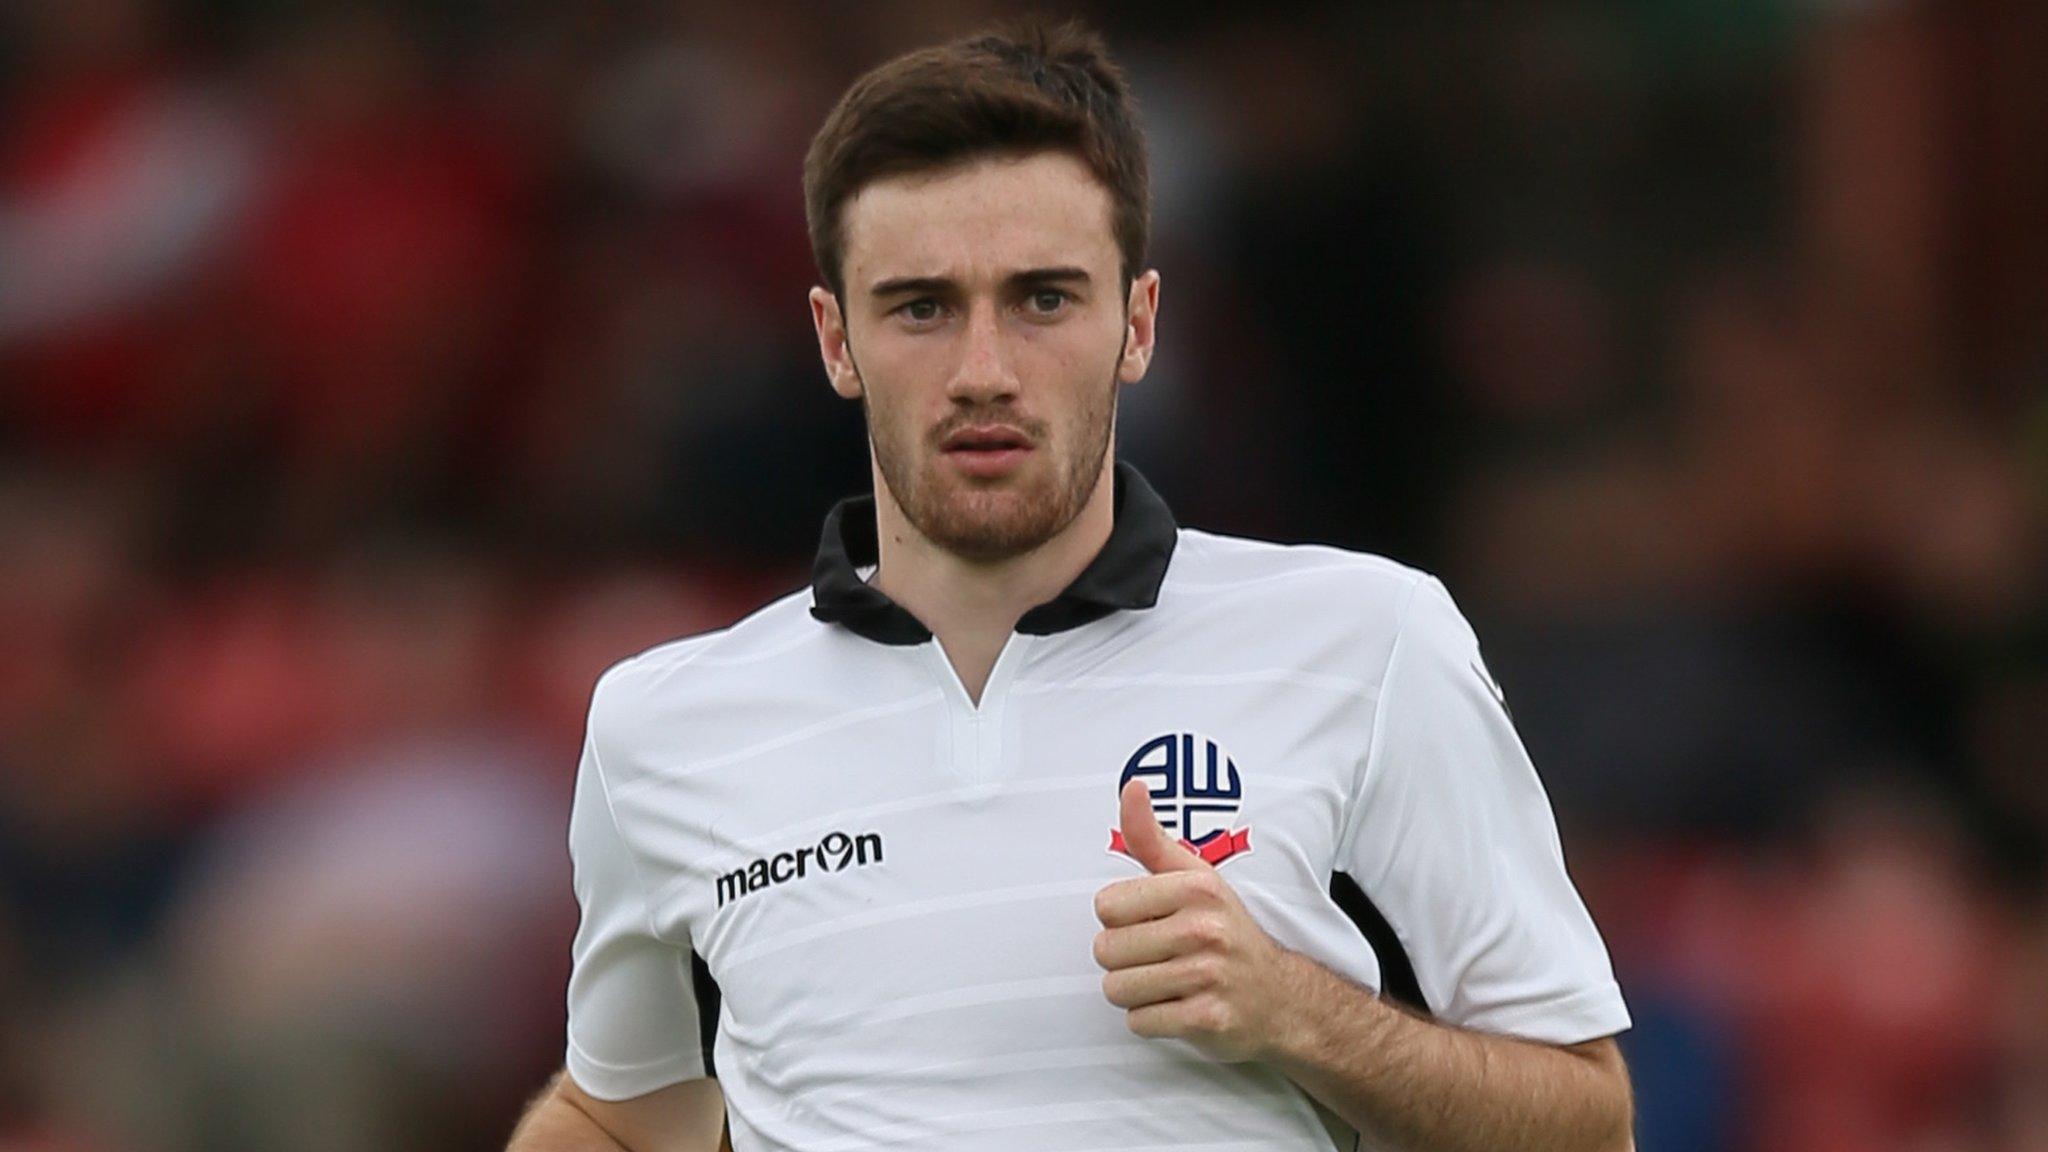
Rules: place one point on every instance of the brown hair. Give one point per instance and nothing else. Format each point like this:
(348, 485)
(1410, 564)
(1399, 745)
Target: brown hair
(1033, 88)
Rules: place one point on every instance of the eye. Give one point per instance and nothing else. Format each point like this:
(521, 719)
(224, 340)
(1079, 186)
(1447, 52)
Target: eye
(922, 310)
(1049, 301)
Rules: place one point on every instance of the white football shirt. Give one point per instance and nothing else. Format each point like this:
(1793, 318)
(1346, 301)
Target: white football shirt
(893, 887)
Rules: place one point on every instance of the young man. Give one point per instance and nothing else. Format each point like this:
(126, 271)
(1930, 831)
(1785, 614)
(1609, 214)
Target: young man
(911, 820)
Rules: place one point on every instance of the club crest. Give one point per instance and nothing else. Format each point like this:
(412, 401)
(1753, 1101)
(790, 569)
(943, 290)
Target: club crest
(1196, 793)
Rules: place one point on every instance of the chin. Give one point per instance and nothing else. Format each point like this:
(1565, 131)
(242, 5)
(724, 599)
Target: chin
(994, 520)
(973, 529)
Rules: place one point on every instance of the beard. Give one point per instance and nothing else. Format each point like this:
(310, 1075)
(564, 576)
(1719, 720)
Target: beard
(987, 521)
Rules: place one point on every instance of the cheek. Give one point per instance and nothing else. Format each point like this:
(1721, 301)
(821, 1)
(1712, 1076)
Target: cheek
(895, 415)
(901, 368)
(888, 380)
(1078, 357)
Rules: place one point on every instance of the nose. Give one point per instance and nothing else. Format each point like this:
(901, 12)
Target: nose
(983, 375)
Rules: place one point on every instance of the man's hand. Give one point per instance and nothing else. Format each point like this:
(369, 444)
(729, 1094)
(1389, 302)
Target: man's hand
(1182, 954)
(1185, 959)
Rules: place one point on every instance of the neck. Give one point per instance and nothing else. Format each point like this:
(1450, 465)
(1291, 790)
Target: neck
(972, 606)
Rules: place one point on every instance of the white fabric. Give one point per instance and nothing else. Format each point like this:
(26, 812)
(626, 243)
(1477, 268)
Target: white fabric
(931, 984)
(629, 990)
(1451, 835)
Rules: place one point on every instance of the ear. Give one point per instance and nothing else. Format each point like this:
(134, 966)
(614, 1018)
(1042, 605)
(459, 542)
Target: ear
(831, 325)
(1141, 312)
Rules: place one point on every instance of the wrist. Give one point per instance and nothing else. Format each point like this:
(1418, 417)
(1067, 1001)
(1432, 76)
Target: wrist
(1320, 1008)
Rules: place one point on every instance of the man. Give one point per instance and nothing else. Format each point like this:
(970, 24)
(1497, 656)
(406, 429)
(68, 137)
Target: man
(910, 821)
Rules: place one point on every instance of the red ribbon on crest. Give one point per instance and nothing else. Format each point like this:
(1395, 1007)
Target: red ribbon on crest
(1214, 852)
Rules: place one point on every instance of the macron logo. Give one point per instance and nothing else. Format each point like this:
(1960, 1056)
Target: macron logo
(837, 852)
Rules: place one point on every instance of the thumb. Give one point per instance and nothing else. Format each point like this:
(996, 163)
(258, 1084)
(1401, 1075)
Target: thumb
(1146, 841)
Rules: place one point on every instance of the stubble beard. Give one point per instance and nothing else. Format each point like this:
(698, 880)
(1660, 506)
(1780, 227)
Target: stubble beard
(995, 521)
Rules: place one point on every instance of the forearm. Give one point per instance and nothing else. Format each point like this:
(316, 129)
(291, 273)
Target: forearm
(1418, 1085)
(687, 1116)
(553, 1124)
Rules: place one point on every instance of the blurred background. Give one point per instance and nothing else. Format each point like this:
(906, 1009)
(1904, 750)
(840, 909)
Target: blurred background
(374, 374)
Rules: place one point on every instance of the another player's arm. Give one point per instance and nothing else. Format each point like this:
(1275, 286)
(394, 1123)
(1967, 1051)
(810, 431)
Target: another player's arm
(684, 1117)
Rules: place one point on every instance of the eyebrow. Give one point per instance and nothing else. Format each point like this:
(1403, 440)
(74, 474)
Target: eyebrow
(1028, 278)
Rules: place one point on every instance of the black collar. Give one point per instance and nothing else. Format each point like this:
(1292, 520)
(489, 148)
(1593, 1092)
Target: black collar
(1125, 574)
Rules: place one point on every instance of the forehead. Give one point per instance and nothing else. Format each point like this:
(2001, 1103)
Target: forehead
(980, 221)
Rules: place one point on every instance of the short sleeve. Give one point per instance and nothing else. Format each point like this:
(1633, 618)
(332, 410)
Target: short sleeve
(1451, 836)
(633, 1017)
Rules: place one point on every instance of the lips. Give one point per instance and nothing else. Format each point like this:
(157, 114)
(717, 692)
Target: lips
(985, 438)
(986, 453)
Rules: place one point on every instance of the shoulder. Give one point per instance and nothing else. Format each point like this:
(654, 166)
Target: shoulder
(1208, 565)
(680, 671)
(1308, 606)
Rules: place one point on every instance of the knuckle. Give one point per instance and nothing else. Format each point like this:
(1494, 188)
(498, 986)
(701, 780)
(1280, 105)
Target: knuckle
(1101, 948)
(1214, 1016)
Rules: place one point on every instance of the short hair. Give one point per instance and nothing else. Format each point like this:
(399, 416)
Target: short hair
(1019, 90)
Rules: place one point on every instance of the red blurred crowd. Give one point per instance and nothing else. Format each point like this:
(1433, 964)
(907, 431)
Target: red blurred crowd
(373, 375)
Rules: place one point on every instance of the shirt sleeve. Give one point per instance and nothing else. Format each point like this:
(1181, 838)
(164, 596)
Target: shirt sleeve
(1451, 835)
(633, 1017)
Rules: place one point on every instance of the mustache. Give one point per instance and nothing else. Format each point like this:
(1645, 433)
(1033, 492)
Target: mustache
(1034, 430)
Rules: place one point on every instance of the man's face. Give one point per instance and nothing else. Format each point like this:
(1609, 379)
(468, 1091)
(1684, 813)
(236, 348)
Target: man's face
(986, 330)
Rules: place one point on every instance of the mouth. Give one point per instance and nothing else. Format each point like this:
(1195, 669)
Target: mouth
(985, 438)
(986, 450)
